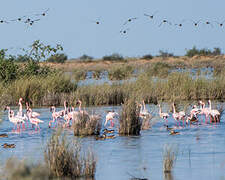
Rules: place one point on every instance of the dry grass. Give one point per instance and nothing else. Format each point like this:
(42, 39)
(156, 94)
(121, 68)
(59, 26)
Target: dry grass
(65, 159)
(22, 170)
(86, 125)
(130, 123)
(170, 153)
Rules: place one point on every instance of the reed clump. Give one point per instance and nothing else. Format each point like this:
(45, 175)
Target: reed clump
(79, 74)
(15, 169)
(62, 160)
(130, 123)
(39, 90)
(86, 125)
(120, 72)
(65, 159)
(170, 153)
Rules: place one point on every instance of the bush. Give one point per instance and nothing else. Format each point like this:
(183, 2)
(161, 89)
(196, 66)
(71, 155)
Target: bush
(147, 56)
(120, 72)
(86, 58)
(165, 54)
(203, 52)
(8, 70)
(57, 58)
(113, 57)
(159, 69)
(79, 74)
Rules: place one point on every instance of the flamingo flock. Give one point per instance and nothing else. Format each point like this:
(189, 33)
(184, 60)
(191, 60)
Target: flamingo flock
(68, 116)
(193, 116)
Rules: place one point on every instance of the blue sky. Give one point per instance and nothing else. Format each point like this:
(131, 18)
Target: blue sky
(70, 23)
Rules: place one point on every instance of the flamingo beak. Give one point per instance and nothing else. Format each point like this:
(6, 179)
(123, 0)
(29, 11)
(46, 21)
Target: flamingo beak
(5, 108)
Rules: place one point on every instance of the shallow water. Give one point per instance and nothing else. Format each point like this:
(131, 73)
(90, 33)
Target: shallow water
(201, 149)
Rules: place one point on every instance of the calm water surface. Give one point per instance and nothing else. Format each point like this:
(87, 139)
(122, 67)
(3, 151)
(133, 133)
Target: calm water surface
(201, 149)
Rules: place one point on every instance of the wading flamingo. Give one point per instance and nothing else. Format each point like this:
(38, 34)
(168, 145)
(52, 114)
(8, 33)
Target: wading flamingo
(143, 111)
(33, 119)
(204, 110)
(214, 113)
(110, 116)
(163, 115)
(13, 119)
(175, 114)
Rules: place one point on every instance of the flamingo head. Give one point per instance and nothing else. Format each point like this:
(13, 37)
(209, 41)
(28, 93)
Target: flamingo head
(194, 106)
(52, 108)
(21, 99)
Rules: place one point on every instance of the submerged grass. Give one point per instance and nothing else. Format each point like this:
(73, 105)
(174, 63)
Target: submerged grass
(130, 123)
(170, 153)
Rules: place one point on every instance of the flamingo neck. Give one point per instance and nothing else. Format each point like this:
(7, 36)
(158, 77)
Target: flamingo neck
(160, 110)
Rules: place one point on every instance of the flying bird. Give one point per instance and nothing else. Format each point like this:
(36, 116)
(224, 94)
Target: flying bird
(164, 22)
(220, 23)
(129, 20)
(124, 31)
(43, 13)
(196, 23)
(152, 15)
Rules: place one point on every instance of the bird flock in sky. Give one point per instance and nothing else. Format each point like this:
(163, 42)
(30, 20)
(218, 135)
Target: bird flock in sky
(165, 21)
(33, 18)
(26, 19)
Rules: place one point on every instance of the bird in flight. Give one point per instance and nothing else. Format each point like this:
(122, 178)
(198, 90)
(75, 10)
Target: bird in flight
(220, 23)
(18, 19)
(124, 31)
(196, 23)
(164, 22)
(3, 21)
(43, 13)
(152, 15)
(129, 20)
(209, 23)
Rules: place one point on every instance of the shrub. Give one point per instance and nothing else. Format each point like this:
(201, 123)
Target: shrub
(165, 54)
(147, 56)
(159, 69)
(8, 70)
(113, 57)
(57, 58)
(120, 72)
(203, 52)
(130, 123)
(79, 74)
(86, 58)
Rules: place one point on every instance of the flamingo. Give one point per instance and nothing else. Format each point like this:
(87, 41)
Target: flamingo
(20, 114)
(214, 113)
(55, 115)
(110, 116)
(33, 119)
(163, 115)
(204, 110)
(143, 111)
(175, 114)
(13, 119)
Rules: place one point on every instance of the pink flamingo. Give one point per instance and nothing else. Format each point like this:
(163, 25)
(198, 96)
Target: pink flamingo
(20, 113)
(214, 113)
(33, 119)
(143, 111)
(110, 116)
(204, 110)
(13, 119)
(175, 114)
(163, 115)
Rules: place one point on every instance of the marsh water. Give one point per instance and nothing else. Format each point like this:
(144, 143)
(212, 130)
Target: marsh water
(201, 148)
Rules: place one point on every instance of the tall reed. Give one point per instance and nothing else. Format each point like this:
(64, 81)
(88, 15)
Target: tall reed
(66, 159)
(130, 123)
(86, 125)
(170, 153)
